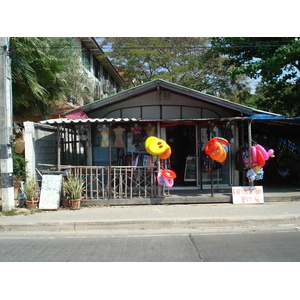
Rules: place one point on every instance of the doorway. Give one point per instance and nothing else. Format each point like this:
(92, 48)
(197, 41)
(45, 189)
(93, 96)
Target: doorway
(209, 169)
(182, 140)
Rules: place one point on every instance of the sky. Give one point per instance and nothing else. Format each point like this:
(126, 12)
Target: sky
(155, 18)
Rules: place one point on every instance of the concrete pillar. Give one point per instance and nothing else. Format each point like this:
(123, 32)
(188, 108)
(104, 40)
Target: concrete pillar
(29, 138)
(6, 138)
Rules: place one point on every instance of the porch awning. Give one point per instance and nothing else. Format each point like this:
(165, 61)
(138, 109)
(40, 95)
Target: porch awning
(89, 120)
(279, 119)
(115, 120)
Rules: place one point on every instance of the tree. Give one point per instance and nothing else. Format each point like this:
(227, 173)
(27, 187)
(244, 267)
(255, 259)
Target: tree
(44, 70)
(182, 60)
(276, 61)
(281, 97)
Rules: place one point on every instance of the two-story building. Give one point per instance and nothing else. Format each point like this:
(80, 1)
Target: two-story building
(103, 78)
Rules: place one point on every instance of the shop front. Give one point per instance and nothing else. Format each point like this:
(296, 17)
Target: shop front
(186, 139)
(110, 141)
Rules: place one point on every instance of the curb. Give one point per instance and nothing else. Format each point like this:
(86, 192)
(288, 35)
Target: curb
(157, 225)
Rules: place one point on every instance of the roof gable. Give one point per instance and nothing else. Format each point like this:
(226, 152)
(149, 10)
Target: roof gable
(163, 84)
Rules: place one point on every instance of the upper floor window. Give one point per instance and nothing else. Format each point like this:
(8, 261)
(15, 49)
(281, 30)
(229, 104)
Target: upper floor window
(85, 56)
(105, 74)
(96, 68)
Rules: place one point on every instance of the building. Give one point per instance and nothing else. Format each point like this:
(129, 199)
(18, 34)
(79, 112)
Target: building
(103, 141)
(103, 78)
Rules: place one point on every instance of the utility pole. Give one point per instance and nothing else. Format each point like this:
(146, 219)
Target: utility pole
(6, 162)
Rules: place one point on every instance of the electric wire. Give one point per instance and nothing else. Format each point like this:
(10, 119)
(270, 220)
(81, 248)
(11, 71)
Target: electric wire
(256, 44)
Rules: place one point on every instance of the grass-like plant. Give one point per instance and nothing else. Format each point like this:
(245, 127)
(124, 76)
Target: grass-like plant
(73, 186)
(30, 188)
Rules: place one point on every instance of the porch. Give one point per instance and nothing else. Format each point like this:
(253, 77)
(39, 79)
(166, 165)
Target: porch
(133, 185)
(114, 185)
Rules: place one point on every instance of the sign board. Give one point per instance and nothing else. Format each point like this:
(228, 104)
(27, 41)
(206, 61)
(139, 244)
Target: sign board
(247, 194)
(50, 191)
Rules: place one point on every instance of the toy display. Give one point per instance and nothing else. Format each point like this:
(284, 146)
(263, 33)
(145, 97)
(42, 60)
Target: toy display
(259, 156)
(217, 149)
(165, 181)
(166, 154)
(156, 146)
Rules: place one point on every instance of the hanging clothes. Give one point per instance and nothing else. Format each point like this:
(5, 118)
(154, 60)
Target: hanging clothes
(144, 159)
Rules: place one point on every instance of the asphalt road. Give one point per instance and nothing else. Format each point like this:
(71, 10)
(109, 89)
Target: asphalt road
(235, 246)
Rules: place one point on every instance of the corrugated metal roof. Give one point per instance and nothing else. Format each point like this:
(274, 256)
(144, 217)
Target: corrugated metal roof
(115, 120)
(79, 121)
(77, 114)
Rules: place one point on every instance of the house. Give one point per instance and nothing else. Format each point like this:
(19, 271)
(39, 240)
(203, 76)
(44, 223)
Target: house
(104, 78)
(104, 142)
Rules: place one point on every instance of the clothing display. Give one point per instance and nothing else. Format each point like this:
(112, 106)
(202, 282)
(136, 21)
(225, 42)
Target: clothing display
(104, 134)
(144, 159)
(119, 137)
(150, 130)
(137, 138)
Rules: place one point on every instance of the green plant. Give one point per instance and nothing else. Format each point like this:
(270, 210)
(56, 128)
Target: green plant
(30, 188)
(73, 186)
(19, 164)
(13, 212)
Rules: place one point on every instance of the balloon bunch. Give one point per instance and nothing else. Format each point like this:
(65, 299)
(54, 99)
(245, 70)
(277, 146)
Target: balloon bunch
(166, 177)
(259, 156)
(217, 149)
(156, 146)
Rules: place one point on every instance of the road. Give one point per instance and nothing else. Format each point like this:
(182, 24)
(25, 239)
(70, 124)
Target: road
(234, 246)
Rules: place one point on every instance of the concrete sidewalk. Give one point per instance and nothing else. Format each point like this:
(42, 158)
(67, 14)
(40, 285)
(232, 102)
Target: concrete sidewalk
(159, 218)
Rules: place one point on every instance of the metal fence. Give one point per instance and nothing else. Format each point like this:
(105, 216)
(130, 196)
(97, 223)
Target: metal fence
(115, 182)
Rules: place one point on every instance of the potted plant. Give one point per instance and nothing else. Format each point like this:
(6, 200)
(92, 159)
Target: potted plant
(73, 187)
(30, 191)
(19, 170)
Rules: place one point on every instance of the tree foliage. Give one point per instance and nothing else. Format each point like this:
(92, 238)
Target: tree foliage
(274, 60)
(183, 60)
(44, 70)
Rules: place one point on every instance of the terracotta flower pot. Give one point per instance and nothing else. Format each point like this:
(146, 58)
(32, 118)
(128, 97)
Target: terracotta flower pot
(65, 202)
(75, 204)
(31, 204)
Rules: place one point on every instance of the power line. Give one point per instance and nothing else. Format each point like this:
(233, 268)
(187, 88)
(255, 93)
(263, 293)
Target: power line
(160, 47)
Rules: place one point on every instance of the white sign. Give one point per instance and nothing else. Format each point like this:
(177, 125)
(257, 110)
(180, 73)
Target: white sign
(50, 192)
(247, 194)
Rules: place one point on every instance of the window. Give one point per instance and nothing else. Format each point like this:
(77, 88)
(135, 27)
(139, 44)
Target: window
(105, 74)
(96, 68)
(85, 56)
